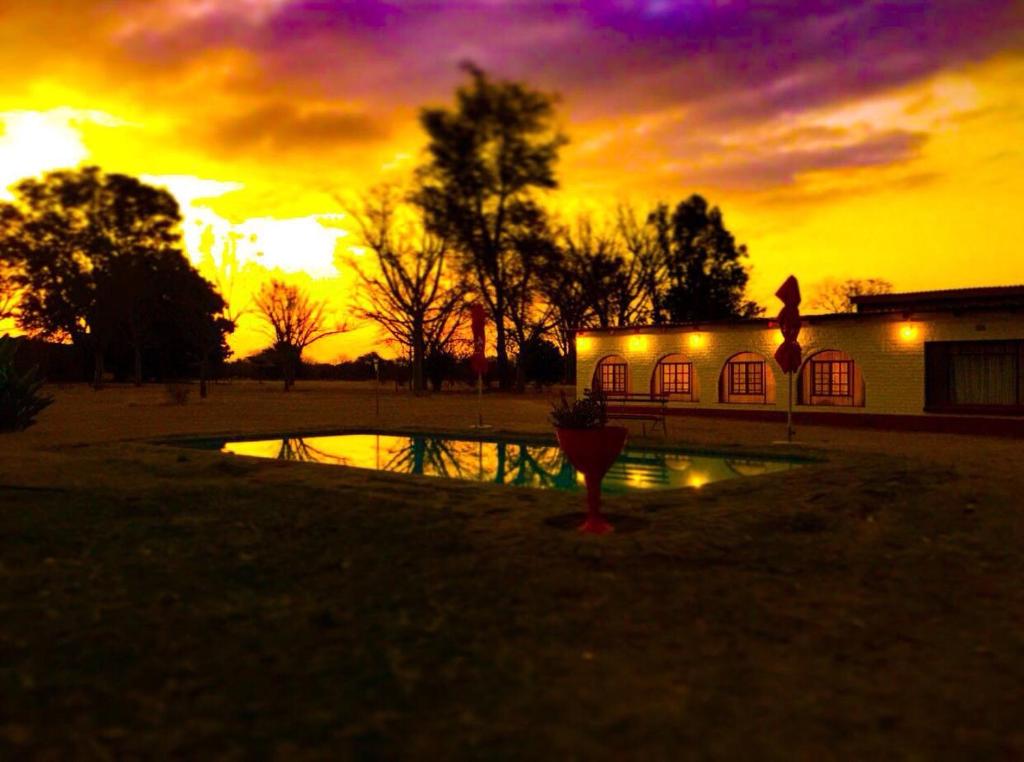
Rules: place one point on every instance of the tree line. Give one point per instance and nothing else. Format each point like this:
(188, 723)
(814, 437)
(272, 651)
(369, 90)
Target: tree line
(96, 260)
(474, 226)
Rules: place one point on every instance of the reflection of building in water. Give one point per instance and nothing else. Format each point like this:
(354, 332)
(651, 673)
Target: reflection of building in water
(747, 467)
(514, 463)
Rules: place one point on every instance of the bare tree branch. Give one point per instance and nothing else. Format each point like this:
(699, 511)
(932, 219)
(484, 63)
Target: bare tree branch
(408, 287)
(294, 321)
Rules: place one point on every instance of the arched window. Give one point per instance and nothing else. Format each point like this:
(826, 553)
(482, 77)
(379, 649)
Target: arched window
(747, 378)
(831, 378)
(674, 379)
(612, 376)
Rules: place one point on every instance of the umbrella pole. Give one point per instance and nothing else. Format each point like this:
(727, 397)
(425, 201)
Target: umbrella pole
(789, 409)
(479, 400)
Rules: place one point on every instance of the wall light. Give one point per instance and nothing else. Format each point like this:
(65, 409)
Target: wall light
(584, 343)
(637, 343)
(908, 332)
(696, 340)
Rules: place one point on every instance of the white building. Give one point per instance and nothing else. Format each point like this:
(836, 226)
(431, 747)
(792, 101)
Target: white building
(937, 360)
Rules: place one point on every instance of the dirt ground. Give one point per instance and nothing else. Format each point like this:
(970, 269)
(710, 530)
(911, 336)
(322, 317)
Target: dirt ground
(158, 602)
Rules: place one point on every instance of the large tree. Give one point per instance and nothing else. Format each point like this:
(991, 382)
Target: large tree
(295, 321)
(564, 289)
(88, 248)
(409, 288)
(487, 159)
(8, 292)
(530, 317)
(703, 264)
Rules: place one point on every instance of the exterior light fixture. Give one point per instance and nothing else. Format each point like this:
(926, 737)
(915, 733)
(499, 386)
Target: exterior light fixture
(584, 343)
(908, 332)
(696, 340)
(637, 343)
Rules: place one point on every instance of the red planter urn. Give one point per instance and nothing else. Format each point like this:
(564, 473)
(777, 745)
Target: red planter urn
(592, 452)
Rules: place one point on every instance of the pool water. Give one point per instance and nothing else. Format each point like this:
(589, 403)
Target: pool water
(510, 462)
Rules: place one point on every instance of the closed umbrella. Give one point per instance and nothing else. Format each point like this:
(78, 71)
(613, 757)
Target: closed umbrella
(789, 355)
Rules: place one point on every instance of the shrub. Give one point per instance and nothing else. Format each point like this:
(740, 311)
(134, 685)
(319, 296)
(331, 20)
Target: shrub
(591, 412)
(20, 400)
(177, 393)
(542, 363)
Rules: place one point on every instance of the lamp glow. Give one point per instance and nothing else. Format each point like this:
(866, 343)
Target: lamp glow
(908, 332)
(696, 340)
(637, 343)
(584, 343)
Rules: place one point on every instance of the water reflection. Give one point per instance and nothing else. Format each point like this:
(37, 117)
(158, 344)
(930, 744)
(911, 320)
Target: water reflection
(505, 462)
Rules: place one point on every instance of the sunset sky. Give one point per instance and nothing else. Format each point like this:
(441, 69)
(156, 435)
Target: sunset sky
(841, 139)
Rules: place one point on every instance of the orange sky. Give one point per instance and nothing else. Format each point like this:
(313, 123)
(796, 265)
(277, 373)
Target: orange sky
(257, 114)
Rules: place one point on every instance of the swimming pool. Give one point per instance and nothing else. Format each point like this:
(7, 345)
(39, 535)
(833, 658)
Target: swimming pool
(520, 463)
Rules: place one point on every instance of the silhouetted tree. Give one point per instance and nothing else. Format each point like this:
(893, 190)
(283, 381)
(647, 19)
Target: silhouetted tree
(541, 362)
(8, 287)
(529, 316)
(564, 288)
(295, 322)
(409, 289)
(194, 308)
(837, 296)
(638, 287)
(706, 278)
(487, 158)
(91, 250)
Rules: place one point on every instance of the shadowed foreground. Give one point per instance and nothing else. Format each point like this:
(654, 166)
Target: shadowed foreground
(157, 601)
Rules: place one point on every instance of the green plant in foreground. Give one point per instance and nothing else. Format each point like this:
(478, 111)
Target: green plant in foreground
(591, 412)
(20, 400)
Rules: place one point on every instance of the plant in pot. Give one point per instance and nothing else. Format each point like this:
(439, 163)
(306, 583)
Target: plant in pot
(592, 446)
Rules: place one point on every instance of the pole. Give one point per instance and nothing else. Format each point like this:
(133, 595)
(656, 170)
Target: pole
(479, 400)
(376, 387)
(789, 411)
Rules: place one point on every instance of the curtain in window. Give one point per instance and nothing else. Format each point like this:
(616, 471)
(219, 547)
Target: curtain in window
(983, 379)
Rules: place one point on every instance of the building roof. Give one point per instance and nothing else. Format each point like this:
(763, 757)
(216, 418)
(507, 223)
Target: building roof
(878, 306)
(950, 300)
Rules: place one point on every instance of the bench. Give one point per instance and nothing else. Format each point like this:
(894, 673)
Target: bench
(655, 414)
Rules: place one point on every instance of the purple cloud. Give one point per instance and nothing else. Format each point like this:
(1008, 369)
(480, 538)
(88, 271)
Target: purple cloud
(726, 64)
(778, 168)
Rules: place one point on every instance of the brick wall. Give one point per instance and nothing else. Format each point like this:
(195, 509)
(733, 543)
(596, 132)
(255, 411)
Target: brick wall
(888, 351)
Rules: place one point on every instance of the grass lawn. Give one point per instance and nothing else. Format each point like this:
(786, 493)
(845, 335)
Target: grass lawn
(161, 602)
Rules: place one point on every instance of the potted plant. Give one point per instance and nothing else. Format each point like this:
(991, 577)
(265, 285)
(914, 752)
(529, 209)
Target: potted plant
(592, 446)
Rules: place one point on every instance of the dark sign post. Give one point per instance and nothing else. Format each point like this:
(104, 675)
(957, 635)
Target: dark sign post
(478, 319)
(788, 355)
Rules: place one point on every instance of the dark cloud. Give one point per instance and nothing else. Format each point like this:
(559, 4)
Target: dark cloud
(730, 61)
(769, 168)
(728, 65)
(282, 127)
(733, 60)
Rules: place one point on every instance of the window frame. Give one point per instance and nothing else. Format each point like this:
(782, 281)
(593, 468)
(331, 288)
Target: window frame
(748, 390)
(938, 371)
(619, 371)
(828, 388)
(683, 375)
